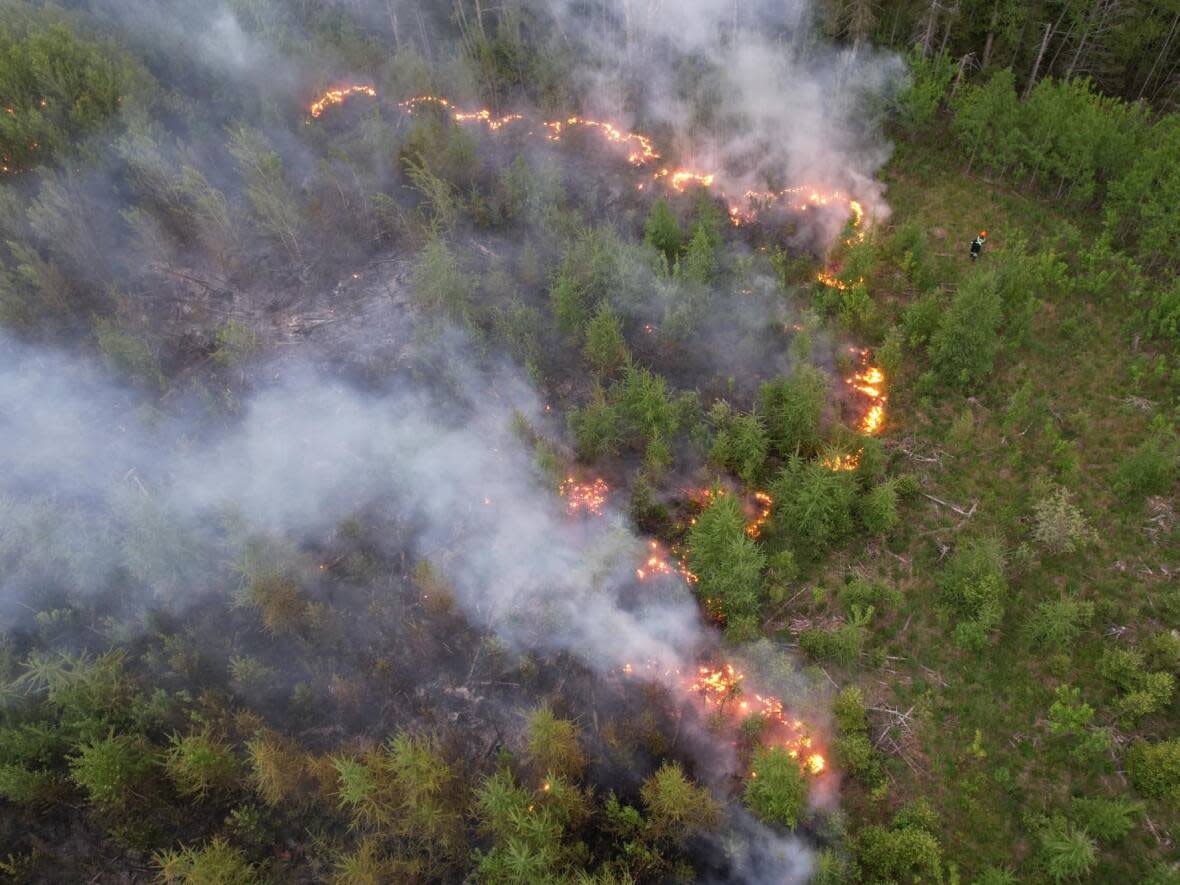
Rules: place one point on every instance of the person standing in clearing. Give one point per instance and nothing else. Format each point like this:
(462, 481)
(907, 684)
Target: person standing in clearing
(977, 244)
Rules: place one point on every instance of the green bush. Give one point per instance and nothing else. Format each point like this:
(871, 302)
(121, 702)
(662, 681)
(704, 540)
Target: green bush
(1148, 469)
(1066, 852)
(968, 339)
(605, 349)
(878, 509)
(904, 855)
(793, 408)
(814, 504)
(776, 790)
(113, 770)
(1056, 624)
(973, 591)
(217, 863)
(199, 765)
(1107, 820)
(1154, 769)
(662, 230)
(726, 561)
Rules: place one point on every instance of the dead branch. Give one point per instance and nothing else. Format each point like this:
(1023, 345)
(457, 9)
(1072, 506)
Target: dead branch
(967, 514)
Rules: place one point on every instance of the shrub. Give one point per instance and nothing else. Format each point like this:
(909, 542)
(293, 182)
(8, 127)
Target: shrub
(677, 806)
(1066, 851)
(973, 590)
(793, 408)
(110, 770)
(1107, 820)
(553, 744)
(968, 340)
(217, 863)
(878, 509)
(1154, 769)
(234, 343)
(1056, 624)
(905, 855)
(814, 504)
(740, 444)
(776, 790)
(1149, 469)
(849, 711)
(726, 560)
(606, 349)
(26, 786)
(1060, 526)
(662, 230)
(199, 764)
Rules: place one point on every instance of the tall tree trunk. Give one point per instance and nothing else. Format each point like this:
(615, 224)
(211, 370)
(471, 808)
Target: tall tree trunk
(397, 37)
(959, 74)
(1076, 56)
(991, 36)
(479, 21)
(1162, 53)
(931, 23)
(1037, 65)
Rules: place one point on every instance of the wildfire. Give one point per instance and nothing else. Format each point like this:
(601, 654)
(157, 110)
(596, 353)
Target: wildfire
(721, 688)
(658, 563)
(589, 497)
(765, 504)
(338, 96)
(869, 381)
(641, 152)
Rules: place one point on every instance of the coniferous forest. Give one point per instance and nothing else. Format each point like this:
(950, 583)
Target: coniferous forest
(589, 441)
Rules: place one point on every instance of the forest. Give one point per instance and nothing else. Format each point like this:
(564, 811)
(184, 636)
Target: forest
(589, 442)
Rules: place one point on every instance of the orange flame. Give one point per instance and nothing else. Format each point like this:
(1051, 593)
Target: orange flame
(585, 496)
(338, 96)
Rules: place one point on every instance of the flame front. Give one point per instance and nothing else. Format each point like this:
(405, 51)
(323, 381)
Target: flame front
(338, 96)
(641, 151)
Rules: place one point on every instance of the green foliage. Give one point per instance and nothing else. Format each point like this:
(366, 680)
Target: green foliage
(234, 343)
(1056, 624)
(1154, 769)
(1059, 525)
(776, 790)
(965, 346)
(849, 711)
(699, 263)
(973, 591)
(589, 273)
(726, 561)
(1143, 204)
(929, 78)
(113, 770)
(554, 744)
(1148, 469)
(275, 204)
(199, 765)
(217, 863)
(813, 504)
(897, 855)
(605, 349)
(676, 806)
(1066, 852)
(278, 599)
(662, 230)
(793, 407)
(25, 786)
(441, 286)
(878, 509)
(128, 353)
(57, 88)
(740, 443)
(597, 427)
(1107, 820)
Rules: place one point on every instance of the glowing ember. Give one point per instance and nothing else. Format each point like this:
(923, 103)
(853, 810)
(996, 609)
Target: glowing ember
(840, 463)
(658, 563)
(722, 689)
(765, 503)
(338, 96)
(588, 497)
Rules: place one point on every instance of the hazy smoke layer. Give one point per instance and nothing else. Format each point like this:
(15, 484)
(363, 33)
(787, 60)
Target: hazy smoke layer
(747, 88)
(307, 453)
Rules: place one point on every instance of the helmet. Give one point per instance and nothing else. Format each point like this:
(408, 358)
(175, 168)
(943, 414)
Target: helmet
(983, 233)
